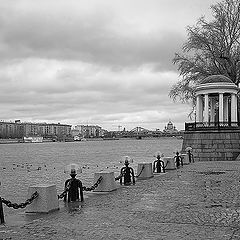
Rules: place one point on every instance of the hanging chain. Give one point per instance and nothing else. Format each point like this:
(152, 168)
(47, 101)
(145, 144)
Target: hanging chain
(166, 164)
(95, 185)
(63, 194)
(21, 205)
(119, 177)
(140, 172)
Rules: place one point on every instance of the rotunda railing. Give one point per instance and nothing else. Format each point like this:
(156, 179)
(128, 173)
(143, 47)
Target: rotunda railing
(206, 126)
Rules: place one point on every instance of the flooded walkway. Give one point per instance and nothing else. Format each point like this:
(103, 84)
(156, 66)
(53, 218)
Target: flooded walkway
(198, 201)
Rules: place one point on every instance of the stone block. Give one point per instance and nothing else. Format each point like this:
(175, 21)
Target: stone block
(144, 170)
(235, 145)
(227, 141)
(169, 163)
(107, 183)
(234, 137)
(46, 201)
(229, 155)
(208, 142)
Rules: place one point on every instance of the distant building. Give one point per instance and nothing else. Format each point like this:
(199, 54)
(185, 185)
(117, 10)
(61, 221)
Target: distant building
(170, 129)
(75, 133)
(20, 129)
(87, 131)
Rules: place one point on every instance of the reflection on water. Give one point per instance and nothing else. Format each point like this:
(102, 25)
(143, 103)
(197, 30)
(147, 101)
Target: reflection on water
(27, 164)
(73, 207)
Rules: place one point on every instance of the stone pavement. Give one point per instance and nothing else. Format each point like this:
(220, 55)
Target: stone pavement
(198, 201)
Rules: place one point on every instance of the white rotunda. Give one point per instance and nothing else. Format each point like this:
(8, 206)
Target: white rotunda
(216, 101)
(215, 133)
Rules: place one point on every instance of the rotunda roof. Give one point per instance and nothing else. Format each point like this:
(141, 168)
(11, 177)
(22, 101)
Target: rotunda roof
(216, 79)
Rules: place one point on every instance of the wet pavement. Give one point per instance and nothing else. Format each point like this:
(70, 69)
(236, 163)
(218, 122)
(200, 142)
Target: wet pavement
(198, 201)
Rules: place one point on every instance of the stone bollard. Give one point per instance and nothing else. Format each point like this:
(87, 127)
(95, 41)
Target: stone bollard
(144, 171)
(107, 183)
(169, 163)
(185, 158)
(46, 201)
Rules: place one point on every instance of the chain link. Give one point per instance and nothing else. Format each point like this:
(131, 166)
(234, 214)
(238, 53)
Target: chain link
(63, 194)
(140, 171)
(166, 164)
(21, 205)
(119, 177)
(95, 185)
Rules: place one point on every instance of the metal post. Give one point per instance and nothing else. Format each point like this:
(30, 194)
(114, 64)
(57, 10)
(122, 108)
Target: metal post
(1, 212)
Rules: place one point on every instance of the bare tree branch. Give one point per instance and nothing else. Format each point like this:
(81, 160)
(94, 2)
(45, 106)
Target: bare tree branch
(212, 47)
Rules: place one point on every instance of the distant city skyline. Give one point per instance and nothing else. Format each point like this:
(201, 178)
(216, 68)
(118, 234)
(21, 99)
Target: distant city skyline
(100, 62)
(115, 128)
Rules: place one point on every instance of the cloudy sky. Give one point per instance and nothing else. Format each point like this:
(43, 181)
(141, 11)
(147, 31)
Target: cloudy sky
(100, 62)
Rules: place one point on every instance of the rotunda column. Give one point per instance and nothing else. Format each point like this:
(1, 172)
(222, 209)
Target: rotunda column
(212, 109)
(206, 108)
(233, 107)
(199, 109)
(220, 107)
(225, 109)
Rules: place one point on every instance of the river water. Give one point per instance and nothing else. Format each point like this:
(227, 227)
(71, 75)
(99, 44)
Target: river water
(26, 164)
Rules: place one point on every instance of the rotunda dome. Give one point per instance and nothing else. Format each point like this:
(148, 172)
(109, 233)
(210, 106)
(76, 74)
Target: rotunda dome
(216, 79)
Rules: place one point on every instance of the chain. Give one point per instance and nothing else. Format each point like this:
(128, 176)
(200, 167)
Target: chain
(140, 171)
(63, 194)
(119, 177)
(21, 205)
(166, 164)
(95, 185)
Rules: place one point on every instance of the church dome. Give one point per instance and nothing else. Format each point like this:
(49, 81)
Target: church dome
(170, 128)
(216, 79)
(170, 125)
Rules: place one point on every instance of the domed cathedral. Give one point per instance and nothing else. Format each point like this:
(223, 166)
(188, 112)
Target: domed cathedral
(170, 128)
(215, 134)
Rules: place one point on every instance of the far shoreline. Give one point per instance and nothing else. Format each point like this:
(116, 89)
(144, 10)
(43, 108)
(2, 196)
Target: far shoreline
(15, 141)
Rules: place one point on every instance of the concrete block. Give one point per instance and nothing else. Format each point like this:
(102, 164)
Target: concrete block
(46, 201)
(107, 184)
(146, 172)
(169, 163)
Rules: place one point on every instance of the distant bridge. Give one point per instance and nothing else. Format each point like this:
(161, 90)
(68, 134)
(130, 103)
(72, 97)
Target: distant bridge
(139, 130)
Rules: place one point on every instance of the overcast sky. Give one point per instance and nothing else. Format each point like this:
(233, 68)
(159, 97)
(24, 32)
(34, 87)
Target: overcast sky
(100, 62)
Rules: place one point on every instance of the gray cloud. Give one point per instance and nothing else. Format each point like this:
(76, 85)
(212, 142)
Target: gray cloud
(71, 91)
(82, 36)
(94, 61)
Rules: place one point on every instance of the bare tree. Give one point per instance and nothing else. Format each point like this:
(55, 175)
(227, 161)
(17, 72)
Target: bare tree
(212, 47)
